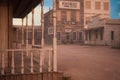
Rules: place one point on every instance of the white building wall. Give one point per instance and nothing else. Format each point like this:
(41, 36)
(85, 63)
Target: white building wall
(107, 35)
(92, 12)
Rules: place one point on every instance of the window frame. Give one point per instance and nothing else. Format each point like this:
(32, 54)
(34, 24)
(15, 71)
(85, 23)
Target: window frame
(97, 5)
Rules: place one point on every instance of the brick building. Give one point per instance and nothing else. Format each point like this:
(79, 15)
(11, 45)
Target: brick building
(72, 18)
(103, 32)
(69, 22)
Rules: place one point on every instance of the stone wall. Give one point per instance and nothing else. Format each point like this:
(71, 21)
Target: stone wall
(107, 35)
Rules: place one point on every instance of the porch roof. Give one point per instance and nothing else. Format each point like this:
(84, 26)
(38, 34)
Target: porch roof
(22, 7)
(95, 28)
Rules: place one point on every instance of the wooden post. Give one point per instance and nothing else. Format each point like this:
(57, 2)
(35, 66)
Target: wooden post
(42, 40)
(33, 27)
(42, 23)
(54, 38)
(27, 35)
(22, 63)
(3, 64)
(17, 38)
(13, 64)
(49, 62)
(22, 33)
(40, 62)
(31, 62)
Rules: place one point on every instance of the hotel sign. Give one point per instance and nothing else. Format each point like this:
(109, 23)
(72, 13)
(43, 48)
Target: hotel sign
(69, 4)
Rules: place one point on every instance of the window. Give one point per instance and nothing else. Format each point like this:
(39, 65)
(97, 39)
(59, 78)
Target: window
(101, 35)
(96, 34)
(58, 15)
(86, 33)
(80, 35)
(112, 35)
(50, 30)
(73, 17)
(89, 35)
(68, 16)
(58, 35)
(97, 5)
(88, 4)
(64, 16)
(106, 6)
(74, 36)
(87, 20)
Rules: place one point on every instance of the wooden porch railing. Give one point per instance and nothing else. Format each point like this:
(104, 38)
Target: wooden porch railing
(38, 59)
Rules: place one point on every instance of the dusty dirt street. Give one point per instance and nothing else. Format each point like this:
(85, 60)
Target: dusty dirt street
(89, 62)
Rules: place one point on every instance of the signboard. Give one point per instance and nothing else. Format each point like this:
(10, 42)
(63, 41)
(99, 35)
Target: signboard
(69, 4)
(68, 30)
(50, 30)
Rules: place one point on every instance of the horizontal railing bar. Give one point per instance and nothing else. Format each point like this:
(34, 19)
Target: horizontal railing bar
(27, 49)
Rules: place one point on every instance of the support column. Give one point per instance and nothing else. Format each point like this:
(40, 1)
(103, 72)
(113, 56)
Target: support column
(33, 27)
(3, 64)
(22, 62)
(10, 31)
(17, 38)
(54, 38)
(49, 61)
(42, 23)
(4, 30)
(22, 32)
(10, 24)
(6, 15)
(27, 35)
(42, 40)
(41, 61)
(13, 64)
(31, 62)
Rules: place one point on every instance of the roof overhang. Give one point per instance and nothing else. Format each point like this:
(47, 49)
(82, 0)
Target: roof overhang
(96, 28)
(22, 7)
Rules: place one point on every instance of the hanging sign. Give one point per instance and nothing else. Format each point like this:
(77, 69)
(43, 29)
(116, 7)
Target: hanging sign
(68, 30)
(50, 30)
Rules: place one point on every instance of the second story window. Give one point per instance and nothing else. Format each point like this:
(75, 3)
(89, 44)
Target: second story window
(73, 17)
(87, 20)
(88, 4)
(64, 16)
(97, 5)
(106, 6)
